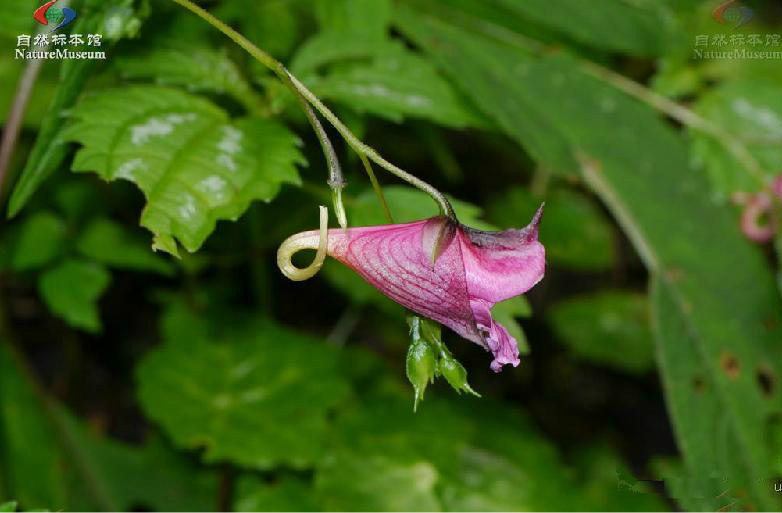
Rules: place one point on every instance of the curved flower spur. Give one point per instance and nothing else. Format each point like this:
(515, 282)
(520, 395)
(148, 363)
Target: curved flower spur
(438, 268)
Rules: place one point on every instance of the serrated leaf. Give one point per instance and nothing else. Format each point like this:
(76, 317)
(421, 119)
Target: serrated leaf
(71, 291)
(246, 391)
(574, 232)
(39, 240)
(194, 166)
(749, 110)
(193, 68)
(608, 328)
(109, 243)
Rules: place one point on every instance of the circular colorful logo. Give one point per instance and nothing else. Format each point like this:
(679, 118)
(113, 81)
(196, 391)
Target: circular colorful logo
(733, 13)
(49, 14)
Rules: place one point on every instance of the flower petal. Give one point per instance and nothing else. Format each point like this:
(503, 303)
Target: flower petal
(501, 343)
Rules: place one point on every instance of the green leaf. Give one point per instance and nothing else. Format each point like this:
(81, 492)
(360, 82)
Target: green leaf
(367, 19)
(247, 391)
(109, 243)
(194, 68)
(608, 328)
(39, 240)
(51, 460)
(18, 18)
(748, 110)
(608, 484)
(477, 67)
(50, 149)
(376, 482)
(574, 231)
(8, 507)
(32, 466)
(287, 493)
(71, 291)
(396, 84)
(152, 476)
(635, 28)
(693, 245)
(194, 166)
(273, 25)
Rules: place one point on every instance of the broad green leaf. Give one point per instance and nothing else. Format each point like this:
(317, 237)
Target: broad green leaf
(273, 25)
(636, 163)
(51, 460)
(32, 466)
(18, 18)
(287, 493)
(376, 482)
(747, 110)
(607, 483)
(476, 66)
(71, 291)
(152, 477)
(194, 166)
(396, 83)
(50, 150)
(574, 231)
(249, 392)
(329, 47)
(8, 507)
(193, 68)
(715, 470)
(39, 240)
(367, 19)
(607, 328)
(645, 27)
(109, 243)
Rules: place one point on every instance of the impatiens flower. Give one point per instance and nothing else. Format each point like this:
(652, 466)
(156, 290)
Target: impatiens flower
(757, 208)
(442, 270)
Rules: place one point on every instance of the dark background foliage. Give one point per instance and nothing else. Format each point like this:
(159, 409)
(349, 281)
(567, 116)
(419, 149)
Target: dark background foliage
(136, 380)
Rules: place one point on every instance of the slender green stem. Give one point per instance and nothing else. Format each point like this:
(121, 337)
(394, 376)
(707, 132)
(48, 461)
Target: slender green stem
(357, 145)
(376, 186)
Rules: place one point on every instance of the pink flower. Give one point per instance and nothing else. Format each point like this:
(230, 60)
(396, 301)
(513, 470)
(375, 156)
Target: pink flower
(445, 271)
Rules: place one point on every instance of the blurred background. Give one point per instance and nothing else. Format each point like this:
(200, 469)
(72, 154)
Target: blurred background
(196, 377)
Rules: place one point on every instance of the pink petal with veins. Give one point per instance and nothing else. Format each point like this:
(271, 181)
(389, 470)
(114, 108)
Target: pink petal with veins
(472, 270)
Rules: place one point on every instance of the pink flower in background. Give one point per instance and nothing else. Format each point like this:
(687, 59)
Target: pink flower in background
(445, 271)
(757, 218)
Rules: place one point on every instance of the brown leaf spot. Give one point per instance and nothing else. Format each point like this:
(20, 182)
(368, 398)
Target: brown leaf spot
(765, 377)
(730, 365)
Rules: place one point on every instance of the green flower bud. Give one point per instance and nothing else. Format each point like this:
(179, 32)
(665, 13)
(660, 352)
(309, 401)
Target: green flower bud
(420, 368)
(456, 375)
